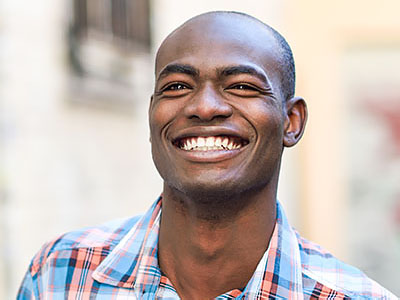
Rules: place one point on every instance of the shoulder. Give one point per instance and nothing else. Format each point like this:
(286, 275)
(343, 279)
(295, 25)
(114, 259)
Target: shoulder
(322, 271)
(99, 240)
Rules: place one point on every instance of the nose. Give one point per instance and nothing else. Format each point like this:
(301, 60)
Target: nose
(206, 105)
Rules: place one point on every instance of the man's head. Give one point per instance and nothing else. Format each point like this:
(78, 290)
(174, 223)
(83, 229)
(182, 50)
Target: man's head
(223, 105)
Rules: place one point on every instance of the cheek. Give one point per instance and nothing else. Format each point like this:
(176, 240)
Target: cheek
(161, 114)
(267, 120)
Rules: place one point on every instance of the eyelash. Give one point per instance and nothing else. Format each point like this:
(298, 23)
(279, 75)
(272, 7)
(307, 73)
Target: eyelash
(244, 87)
(174, 87)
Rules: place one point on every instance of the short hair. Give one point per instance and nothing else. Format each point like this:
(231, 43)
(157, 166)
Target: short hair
(287, 66)
(286, 60)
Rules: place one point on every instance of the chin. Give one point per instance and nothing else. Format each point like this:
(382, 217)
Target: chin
(208, 189)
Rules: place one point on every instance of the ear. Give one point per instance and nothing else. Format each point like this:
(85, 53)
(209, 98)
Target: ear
(296, 118)
(151, 100)
(150, 105)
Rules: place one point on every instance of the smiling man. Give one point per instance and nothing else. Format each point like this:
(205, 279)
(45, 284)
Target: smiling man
(222, 111)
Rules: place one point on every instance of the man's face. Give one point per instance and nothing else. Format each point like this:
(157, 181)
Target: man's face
(216, 116)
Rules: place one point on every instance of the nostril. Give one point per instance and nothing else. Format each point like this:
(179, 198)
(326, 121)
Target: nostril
(208, 109)
(208, 116)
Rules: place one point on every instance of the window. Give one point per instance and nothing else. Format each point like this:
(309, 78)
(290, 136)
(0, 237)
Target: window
(105, 39)
(125, 23)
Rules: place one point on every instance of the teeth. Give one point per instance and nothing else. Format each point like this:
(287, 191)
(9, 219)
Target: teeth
(201, 142)
(188, 144)
(225, 142)
(218, 142)
(209, 143)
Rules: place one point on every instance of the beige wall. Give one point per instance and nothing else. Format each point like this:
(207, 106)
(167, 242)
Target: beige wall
(320, 33)
(65, 164)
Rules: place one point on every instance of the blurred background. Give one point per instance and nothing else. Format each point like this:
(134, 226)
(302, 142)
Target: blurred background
(75, 81)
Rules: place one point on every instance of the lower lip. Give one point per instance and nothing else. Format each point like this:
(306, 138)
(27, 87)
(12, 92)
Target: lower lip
(211, 156)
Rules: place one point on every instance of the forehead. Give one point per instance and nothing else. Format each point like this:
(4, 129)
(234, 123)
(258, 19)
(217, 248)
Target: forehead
(215, 41)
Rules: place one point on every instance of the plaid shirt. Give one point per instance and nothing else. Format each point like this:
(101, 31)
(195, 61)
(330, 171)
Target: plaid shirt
(119, 261)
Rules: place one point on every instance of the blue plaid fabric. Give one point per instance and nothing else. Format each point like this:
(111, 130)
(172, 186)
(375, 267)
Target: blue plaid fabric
(119, 261)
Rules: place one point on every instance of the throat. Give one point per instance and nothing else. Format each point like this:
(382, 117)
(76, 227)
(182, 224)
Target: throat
(207, 208)
(198, 269)
(197, 253)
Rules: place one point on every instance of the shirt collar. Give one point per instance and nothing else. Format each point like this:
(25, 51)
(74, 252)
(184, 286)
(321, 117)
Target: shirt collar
(133, 263)
(279, 273)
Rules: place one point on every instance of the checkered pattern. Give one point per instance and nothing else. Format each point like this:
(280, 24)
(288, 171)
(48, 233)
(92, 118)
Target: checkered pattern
(119, 261)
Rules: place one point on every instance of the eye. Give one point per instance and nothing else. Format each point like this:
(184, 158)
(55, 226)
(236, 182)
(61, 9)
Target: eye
(243, 87)
(244, 90)
(175, 89)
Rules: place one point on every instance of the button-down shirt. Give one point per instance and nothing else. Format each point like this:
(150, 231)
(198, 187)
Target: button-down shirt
(119, 261)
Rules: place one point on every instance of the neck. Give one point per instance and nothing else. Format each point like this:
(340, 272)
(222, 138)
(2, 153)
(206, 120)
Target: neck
(203, 240)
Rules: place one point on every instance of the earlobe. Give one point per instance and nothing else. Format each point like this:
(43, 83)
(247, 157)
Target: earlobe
(296, 118)
(150, 104)
(149, 112)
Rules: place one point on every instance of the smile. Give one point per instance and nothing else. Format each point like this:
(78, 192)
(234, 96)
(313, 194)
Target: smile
(210, 143)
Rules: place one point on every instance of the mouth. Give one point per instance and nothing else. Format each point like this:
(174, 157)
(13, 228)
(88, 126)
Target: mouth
(210, 143)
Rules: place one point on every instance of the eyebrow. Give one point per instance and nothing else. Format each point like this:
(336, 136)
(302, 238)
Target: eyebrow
(178, 68)
(244, 69)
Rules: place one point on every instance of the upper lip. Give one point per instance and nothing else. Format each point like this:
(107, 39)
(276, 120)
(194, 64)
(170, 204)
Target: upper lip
(208, 131)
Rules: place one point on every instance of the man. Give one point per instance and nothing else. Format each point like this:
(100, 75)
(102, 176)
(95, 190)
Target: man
(222, 111)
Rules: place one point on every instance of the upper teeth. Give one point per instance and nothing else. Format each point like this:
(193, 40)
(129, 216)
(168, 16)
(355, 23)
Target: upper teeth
(209, 143)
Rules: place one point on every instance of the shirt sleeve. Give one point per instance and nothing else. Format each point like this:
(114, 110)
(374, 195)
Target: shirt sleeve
(25, 291)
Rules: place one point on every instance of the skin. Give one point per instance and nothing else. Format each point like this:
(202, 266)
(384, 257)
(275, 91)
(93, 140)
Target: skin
(219, 74)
